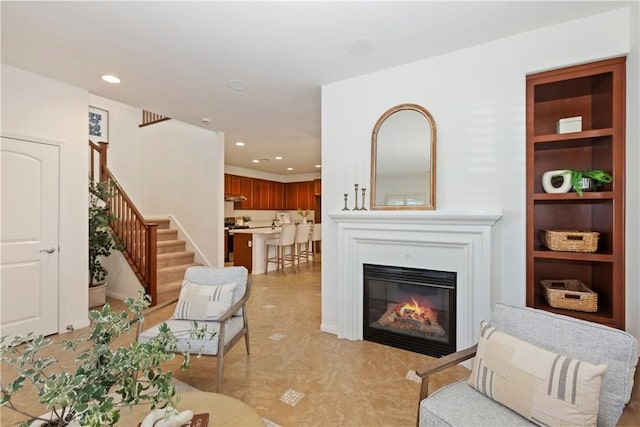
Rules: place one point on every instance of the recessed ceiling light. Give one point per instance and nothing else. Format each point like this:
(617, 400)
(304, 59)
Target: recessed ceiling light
(318, 166)
(289, 169)
(360, 46)
(278, 157)
(110, 78)
(238, 85)
(239, 144)
(255, 161)
(205, 120)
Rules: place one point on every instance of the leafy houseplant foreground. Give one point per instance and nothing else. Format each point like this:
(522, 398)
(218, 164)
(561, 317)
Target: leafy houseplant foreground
(106, 377)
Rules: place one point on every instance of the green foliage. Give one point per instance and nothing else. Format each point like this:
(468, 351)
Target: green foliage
(246, 218)
(598, 176)
(102, 367)
(101, 240)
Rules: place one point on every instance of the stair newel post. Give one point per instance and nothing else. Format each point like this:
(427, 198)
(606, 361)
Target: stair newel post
(152, 262)
(103, 160)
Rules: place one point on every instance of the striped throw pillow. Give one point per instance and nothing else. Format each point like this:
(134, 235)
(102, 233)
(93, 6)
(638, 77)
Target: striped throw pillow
(203, 302)
(547, 388)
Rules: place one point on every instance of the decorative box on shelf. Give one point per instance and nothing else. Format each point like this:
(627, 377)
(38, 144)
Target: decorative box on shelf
(570, 294)
(570, 240)
(570, 124)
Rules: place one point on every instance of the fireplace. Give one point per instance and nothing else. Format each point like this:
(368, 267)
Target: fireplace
(442, 240)
(410, 308)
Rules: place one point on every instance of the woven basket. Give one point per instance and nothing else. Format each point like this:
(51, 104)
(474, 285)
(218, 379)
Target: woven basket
(570, 294)
(570, 241)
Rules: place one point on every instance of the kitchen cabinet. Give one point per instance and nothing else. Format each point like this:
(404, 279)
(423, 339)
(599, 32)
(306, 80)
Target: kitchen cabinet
(317, 187)
(272, 195)
(276, 195)
(232, 184)
(596, 93)
(246, 189)
(242, 250)
(299, 195)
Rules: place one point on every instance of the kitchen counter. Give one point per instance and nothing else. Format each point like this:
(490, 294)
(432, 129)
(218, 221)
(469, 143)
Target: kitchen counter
(254, 259)
(257, 230)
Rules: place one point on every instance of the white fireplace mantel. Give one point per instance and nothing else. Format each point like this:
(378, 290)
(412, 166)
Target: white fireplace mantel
(449, 240)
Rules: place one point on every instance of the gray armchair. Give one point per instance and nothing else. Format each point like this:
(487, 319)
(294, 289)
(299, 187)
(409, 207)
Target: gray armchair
(460, 404)
(210, 308)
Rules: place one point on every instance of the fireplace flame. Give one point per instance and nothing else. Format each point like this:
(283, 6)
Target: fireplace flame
(417, 312)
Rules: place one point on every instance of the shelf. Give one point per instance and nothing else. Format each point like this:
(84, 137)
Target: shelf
(575, 137)
(573, 256)
(594, 92)
(601, 316)
(573, 197)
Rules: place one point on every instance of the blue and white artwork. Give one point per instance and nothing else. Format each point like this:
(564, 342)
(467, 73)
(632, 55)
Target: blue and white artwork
(95, 124)
(98, 125)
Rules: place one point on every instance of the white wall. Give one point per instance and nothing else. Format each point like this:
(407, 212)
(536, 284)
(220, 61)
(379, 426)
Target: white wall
(477, 97)
(38, 108)
(124, 154)
(633, 177)
(183, 176)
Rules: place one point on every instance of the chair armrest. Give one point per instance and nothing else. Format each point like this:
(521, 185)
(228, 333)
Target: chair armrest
(441, 364)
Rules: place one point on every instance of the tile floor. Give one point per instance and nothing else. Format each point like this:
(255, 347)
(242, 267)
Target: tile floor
(299, 376)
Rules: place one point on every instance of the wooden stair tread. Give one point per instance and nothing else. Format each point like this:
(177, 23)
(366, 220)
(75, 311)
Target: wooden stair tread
(175, 268)
(176, 254)
(171, 242)
(170, 286)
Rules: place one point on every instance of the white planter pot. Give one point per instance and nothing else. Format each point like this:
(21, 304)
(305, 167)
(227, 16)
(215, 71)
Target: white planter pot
(98, 295)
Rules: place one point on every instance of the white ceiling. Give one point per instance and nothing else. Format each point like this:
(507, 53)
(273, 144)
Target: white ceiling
(175, 58)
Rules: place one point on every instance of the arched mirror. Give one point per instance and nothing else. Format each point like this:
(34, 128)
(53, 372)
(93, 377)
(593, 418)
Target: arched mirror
(403, 160)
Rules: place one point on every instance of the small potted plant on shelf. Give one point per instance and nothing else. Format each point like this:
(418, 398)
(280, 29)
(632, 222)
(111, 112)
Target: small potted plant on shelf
(246, 219)
(588, 180)
(107, 375)
(101, 240)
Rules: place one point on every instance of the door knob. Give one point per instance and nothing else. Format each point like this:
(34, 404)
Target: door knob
(49, 250)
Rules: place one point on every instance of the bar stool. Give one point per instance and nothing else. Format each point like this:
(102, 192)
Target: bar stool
(281, 243)
(302, 243)
(316, 237)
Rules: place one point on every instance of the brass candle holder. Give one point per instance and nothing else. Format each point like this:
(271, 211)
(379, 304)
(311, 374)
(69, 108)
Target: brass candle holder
(364, 190)
(356, 208)
(346, 196)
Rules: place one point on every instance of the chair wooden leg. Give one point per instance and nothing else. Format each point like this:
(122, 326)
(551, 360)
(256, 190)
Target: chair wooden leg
(220, 357)
(246, 327)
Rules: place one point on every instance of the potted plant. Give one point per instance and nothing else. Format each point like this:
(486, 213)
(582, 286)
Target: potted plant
(101, 240)
(107, 375)
(246, 219)
(589, 180)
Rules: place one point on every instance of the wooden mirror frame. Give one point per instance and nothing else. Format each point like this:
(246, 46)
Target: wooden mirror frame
(431, 203)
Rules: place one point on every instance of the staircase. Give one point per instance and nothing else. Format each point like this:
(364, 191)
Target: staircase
(172, 261)
(150, 246)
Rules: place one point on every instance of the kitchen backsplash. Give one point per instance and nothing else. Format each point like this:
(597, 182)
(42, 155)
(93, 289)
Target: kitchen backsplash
(262, 218)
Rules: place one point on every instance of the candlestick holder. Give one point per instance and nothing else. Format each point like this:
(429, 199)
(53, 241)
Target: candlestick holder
(346, 196)
(356, 208)
(364, 190)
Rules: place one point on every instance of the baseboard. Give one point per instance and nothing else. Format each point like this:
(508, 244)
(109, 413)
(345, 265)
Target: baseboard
(330, 329)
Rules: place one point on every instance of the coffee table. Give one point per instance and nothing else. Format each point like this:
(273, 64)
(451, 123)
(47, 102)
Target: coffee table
(223, 410)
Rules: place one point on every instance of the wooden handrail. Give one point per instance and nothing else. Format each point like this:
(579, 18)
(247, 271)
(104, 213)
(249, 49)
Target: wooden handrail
(138, 237)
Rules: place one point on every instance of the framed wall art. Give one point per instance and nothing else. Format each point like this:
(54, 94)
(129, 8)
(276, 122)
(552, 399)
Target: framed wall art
(98, 125)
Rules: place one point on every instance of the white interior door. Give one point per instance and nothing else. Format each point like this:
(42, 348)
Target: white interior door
(29, 234)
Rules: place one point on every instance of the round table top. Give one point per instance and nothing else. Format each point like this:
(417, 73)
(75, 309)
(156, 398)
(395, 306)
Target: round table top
(223, 410)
